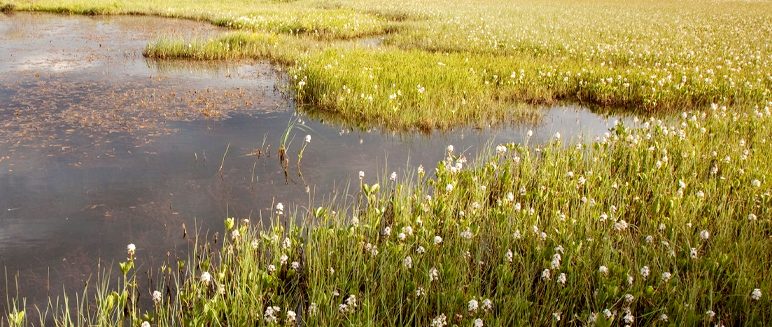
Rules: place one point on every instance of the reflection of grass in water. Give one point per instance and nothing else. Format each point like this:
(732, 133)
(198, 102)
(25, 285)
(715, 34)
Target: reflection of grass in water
(515, 114)
(632, 225)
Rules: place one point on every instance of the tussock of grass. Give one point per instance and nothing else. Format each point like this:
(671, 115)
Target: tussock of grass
(277, 48)
(661, 224)
(7, 7)
(399, 89)
(333, 24)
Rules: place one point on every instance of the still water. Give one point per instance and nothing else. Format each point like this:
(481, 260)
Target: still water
(100, 147)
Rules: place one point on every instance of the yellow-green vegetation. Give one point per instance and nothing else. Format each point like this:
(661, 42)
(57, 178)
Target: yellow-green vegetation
(446, 63)
(664, 224)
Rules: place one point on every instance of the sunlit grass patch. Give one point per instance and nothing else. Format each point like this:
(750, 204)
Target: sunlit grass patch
(320, 23)
(283, 49)
(404, 89)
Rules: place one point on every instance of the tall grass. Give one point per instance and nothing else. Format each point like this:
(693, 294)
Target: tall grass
(664, 224)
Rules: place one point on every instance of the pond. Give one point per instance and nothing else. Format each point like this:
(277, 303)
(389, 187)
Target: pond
(100, 147)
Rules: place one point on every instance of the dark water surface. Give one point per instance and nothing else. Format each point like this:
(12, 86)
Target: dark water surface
(100, 147)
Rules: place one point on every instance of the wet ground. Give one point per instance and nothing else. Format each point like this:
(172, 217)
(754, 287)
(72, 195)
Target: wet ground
(100, 147)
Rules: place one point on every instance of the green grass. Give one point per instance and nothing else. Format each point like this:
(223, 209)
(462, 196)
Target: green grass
(689, 198)
(477, 60)
(639, 200)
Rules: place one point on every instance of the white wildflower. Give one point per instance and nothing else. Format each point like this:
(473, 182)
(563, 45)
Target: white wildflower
(562, 278)
(666, 276)
(467, 234)
(434, 274)
(440, 321)
(157, 297)
(756, 294)
(545, 274)
(206, 277)
(645, 272)
(472, 305)
(487, 305)
(407, 262)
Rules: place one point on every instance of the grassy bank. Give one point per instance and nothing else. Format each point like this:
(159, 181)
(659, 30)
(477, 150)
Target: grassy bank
(448, 63)
(665, 224)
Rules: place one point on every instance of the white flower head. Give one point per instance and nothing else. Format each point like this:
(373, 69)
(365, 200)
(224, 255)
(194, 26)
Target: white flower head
(308, 138)
(437, 240)
(206, 277)
(487, 305)
(478, 322)
(756, 294)
(500, 149)
(286, 243)
(704, 234)
(562, 278)
(157, 297)
(145, 324)
(434, 274)
(472, 305)
(545, 274)
(407, 262)
(131, 249)
(393, 176)
(466, 234)
(440, 321)
(279, 208)
(645, 272)
(603, 270)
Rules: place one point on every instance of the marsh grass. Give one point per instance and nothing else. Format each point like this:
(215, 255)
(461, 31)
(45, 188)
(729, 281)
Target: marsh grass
(476, 59)
(443, 72)
(668, 223)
